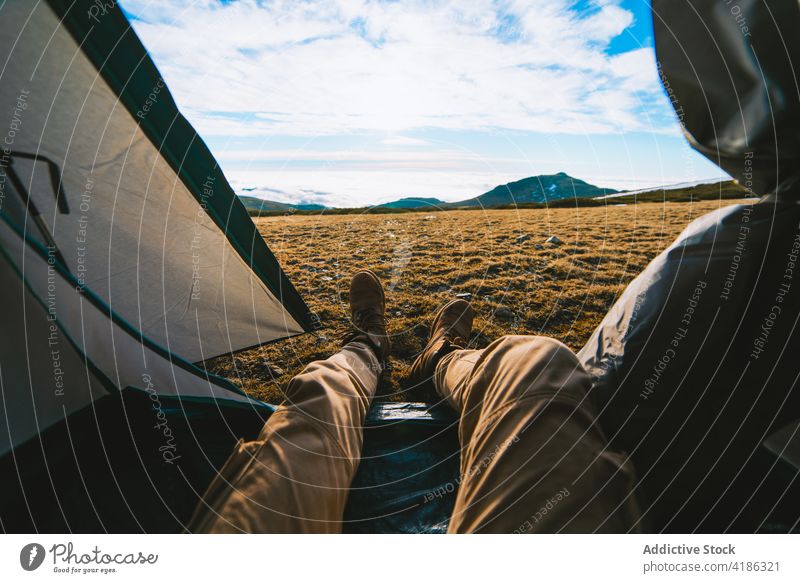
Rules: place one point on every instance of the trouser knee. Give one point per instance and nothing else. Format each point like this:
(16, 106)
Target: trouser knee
(527, 366)
(329, 394)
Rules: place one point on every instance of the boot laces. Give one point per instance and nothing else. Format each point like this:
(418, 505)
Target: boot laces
(365, 320)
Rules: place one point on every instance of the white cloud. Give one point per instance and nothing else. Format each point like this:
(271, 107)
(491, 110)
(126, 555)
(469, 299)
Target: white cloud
(438, 157)
(404, 141)
(337, 66)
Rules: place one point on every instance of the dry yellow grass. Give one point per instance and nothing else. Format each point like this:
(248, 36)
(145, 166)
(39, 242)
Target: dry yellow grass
(424, 259)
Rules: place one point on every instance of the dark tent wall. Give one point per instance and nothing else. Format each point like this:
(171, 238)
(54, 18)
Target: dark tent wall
(731, 71)
(696, 364)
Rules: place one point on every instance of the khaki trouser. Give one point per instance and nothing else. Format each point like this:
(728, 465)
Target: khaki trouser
(532, 458)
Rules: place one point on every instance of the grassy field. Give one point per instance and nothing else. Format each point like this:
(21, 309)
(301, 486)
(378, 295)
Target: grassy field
(518, 283)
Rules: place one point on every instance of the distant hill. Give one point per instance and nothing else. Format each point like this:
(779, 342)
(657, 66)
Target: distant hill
(723, 190)
(536, 189)
(309, 207)
(412, 203)
(556, 190)
(259, 205)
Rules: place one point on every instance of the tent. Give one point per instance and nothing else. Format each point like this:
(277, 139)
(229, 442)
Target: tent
(126, 259)
(695, 367)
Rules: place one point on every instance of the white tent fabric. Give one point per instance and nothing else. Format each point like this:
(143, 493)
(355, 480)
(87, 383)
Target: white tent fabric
(42, 377)
(127, 225)
(50, 324)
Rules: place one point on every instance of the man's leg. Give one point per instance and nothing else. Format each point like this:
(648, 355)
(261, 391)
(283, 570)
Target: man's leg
(296, 476)
(533, 458)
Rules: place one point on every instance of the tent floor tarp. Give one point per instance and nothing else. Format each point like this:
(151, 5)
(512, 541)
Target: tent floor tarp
(106, 471)
(105, 468)
(407, 480)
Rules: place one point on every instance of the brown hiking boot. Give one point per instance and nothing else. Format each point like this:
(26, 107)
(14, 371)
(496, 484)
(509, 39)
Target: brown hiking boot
(450, 331)
(367, 306)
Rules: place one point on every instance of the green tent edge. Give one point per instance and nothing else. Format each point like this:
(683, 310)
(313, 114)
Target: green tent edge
(132, 75)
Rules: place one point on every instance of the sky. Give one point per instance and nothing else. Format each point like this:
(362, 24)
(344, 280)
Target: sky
(357, 102)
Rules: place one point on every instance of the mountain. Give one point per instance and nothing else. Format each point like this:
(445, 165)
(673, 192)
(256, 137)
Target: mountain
(537, 189)
(412, 203)
(254, 205)
(542, 188)
(309, 207)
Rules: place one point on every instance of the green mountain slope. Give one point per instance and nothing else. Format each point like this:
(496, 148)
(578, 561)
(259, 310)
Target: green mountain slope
(413, 203)
(536, 189)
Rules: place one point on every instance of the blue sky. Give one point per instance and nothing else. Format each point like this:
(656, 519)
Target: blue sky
(353, 102)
